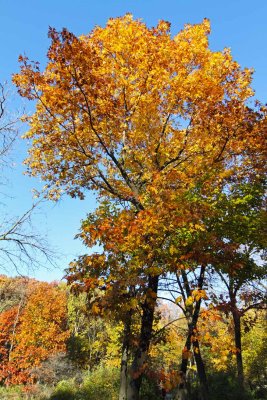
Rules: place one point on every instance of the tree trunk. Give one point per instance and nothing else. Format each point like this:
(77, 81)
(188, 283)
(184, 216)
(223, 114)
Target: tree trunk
(186, 349)
(123, 375)
(204, 389)
(140, 356)
(192, 319)
(181, 390)
(181, 393)
(14, 328)
(124, 358)
(238, 345)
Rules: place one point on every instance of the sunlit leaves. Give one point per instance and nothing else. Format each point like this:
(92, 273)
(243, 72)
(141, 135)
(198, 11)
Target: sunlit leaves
(126, 108)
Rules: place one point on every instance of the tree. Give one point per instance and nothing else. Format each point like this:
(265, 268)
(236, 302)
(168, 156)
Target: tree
(32, 331)
(240, 230)
(254, 355)
(140, 118)
(113, 278)
(92, 334)
(20, 245)
(232, 243)
(12, 291)
(187, 291)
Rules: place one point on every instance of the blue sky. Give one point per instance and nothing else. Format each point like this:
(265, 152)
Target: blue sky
(238, 24)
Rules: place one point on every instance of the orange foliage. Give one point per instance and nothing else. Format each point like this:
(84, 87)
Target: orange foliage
(134, 113)
(30, 334)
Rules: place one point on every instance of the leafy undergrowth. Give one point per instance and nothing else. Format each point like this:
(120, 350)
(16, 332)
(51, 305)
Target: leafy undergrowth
(103, 383)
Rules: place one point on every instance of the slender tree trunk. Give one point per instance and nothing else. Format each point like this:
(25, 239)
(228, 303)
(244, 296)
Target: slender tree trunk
(186, 349)
(124, 358)
(238, 345)
(192, 316)
(181, 390)
(14, 329)
(140, 355)
(201, 371)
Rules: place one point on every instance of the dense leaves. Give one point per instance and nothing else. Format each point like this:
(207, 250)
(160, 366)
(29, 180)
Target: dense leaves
(31, 330)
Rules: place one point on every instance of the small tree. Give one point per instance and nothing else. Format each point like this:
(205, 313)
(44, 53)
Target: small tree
(240, 232)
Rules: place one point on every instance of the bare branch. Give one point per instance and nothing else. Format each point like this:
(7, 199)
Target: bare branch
(20, 245)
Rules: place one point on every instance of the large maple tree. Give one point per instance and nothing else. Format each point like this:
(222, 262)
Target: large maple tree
(142, 118)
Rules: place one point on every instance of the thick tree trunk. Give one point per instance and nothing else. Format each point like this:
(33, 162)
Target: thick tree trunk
(140, 356)
(238, 345)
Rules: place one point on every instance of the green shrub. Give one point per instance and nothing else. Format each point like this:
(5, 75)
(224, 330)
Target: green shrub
(224, 386)
(102, 383)
(65, 390)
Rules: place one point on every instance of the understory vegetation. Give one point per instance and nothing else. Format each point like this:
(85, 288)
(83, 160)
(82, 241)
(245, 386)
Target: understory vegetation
(54, 347)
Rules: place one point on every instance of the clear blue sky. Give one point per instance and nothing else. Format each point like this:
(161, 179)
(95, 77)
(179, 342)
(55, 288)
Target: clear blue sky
(238, 24)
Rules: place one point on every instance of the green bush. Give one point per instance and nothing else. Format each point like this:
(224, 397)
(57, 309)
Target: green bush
(224, 386)
(102, 383)
(65, 390)
(98, 384)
